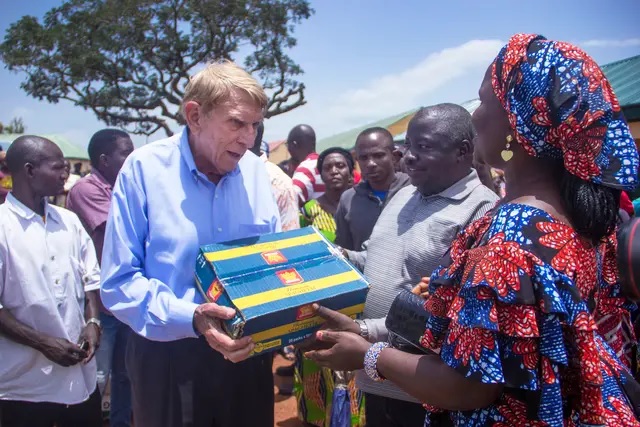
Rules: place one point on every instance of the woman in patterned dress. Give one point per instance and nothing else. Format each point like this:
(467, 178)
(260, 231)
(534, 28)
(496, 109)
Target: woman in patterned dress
(527, 323)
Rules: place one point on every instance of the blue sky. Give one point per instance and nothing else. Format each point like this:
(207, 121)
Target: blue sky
(368, 59)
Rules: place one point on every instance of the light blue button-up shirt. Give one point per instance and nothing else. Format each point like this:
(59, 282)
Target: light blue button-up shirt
(163, 209)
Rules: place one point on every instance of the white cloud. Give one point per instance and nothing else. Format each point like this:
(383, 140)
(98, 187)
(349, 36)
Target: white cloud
(610, 43)
(392, 93)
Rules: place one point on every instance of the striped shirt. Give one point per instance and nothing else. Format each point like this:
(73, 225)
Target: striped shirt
(307, 179)
(407, 243)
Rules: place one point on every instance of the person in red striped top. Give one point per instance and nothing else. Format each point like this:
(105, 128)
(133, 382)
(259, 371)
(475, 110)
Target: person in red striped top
(307, 181)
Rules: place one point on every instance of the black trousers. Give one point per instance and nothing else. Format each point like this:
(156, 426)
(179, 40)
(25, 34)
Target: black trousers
(46, 414)
(187, 384)
(385, 412)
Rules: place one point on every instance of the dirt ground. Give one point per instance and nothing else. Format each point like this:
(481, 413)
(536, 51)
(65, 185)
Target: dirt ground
(285, 410)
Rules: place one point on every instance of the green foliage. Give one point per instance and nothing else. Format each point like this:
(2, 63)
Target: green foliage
(129, 60)
(16, 125)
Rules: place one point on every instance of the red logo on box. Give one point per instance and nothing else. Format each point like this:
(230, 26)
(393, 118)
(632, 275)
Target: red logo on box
(289, 277)
(215, 291)
(305, 312)
(274, 257)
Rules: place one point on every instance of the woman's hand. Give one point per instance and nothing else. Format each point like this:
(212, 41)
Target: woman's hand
(422, 288)
(334, 321)
(346, 353)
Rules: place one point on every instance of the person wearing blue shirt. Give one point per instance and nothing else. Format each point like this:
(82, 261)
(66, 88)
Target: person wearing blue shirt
(198, 187)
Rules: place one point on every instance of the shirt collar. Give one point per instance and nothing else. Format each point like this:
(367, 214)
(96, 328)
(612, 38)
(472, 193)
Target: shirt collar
(23, 211)
(371, 189)
(462, 188)
(101, 180)
(187, 155)
(264, 157)
(366, 186)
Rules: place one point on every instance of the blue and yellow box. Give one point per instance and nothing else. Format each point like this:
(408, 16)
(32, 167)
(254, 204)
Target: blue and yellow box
(272, 281)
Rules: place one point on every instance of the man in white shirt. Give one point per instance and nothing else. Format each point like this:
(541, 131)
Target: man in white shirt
(49, 282)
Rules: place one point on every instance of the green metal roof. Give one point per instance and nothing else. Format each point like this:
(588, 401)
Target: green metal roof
(69, 149)
(347, 139)
(470, 106)
(624, 76)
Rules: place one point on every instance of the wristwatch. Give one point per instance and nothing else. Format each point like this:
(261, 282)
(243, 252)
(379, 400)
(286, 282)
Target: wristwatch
(96, 322)
(364, 330)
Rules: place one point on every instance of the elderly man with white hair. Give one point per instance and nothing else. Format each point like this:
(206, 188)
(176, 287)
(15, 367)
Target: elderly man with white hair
(198, 187)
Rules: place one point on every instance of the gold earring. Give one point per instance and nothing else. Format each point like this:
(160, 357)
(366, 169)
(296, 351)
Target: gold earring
(507, 154)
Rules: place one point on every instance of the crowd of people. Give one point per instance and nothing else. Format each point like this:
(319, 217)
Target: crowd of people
(504, 222)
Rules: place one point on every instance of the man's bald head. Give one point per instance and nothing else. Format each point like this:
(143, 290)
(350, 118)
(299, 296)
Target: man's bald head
(302, 134)
(440, 151)
(451, 121)
(37, 166)
(301, 142)
(30, 149)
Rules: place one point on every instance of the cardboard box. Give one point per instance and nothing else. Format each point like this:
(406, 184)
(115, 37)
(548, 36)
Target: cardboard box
(272, 280)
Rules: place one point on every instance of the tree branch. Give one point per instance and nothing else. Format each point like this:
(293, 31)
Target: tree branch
(129, 61)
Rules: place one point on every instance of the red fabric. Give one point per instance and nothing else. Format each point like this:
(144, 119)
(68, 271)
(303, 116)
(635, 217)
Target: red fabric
(356, 177)
(626, 204)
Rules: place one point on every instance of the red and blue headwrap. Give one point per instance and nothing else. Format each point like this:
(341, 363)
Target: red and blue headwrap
(561, 106)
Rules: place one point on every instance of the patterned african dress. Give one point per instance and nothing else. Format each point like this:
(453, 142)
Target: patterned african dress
(313, 214)
(314, 386)
(522, 301)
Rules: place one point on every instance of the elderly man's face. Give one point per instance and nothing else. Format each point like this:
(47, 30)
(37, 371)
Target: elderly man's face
(222, 136)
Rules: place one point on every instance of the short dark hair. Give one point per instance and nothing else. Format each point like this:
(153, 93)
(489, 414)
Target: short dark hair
(27, 149)
(259, 133)
(336, 150)
(256, 148)
(378, 130)
(453, 118)
(104, 142)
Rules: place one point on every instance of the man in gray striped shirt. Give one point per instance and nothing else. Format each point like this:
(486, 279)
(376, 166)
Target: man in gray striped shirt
(413, 232)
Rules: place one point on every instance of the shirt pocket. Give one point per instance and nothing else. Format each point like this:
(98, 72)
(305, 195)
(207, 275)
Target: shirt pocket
(27, 291)
(76, 279)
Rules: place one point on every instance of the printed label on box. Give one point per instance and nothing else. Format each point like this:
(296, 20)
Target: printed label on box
(289, 277)
(305, 312)
(274, 257)
(262, 346)
(215, 291)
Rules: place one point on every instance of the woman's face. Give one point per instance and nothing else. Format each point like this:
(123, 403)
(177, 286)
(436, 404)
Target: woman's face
(491, 124)
(335, 172)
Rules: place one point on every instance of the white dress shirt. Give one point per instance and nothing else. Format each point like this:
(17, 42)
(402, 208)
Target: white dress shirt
(46, 266)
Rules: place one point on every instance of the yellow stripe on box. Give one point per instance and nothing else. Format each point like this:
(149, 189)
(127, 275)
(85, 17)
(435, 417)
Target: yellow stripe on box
(262, 247)
(294, 290)
(302, 324)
